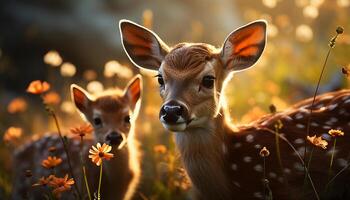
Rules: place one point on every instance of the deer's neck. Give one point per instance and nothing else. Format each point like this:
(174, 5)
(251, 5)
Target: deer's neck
(202, 151)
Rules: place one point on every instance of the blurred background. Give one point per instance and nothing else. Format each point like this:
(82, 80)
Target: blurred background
(65, 42)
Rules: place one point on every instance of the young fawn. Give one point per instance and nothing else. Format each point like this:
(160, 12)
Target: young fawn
(113, 116)
(222, 160)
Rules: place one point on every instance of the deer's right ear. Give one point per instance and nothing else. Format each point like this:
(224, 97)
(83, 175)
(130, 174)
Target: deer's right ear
(80, 98)
(143, 47)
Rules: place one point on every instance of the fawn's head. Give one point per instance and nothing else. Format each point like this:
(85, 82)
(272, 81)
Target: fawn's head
(112, 114)
(192, 75)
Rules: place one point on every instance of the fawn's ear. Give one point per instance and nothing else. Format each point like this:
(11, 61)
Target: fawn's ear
(133, 91)
(244, 46)
(80, 97)
(143, 47)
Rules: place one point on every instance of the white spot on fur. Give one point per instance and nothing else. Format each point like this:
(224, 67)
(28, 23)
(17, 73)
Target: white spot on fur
(288, 118)
(250, 138)
(258, 195)
(272, 175)
(234, 167)
(298, 166)
(286, 170)
(299, 116)
(342, 162)
(347, 101)
(258, 168)
(330, 152)
(224, 148)
(331, 107)
(326, 127)
(236, 183)
(247, 159)
(237, 145)
(299, 141)
(300, 126)
(314, 124)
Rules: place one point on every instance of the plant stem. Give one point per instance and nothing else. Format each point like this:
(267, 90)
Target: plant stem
(83, 168)
(308, 165)
(66, 150)
(332, 157)
(99, 183)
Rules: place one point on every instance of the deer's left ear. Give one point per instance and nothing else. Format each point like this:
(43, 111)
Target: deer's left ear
(244, 46)
(133, 91)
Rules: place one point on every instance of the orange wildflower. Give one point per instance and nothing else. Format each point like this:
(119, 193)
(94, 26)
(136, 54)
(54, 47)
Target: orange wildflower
(60, 185)
(82, 130)
(12, 134)
(38, 87)
(161, 149)
(43, 181)
(51, 162)
(100, 152)
(17, 105)
(317, 141)
(335, 133)
(264, 152)
(52, 98)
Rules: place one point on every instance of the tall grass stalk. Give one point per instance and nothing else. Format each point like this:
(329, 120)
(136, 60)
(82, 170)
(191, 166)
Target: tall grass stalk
(332, 158)
(99, 183)
(84, 168)
(331, 46)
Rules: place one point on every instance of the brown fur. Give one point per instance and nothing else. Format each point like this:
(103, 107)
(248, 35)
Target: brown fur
(222, 160)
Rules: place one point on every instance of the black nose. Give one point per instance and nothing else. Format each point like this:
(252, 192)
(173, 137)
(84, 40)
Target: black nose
(171, 112)
(114, 138)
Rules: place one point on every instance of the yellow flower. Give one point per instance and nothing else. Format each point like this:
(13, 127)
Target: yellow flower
(334, 132)
(38, 87)
(17, 105)
(52, 98)
(51, 162)
(161, 149)
(82, 130)
(100, 152)
(317, 141)
(60, 185)
(12, 134)
(264, 152)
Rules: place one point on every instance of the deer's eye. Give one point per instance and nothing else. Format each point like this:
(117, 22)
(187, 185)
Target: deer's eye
(208, 81)
(127, 119)
(160, 80)
(97, 122)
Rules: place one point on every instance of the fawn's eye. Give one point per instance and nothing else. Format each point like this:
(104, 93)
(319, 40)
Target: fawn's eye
(160, 80)
(208, 81)
(97, 122)
(127, 119)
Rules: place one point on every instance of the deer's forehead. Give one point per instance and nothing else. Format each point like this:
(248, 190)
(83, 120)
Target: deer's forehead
(181, 74)
(110, 105)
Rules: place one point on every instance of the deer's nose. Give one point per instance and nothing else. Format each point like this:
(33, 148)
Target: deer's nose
(171, 112)
(114, 138)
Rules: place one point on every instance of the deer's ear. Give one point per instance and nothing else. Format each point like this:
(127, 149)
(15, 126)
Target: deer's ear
(133, 91)
(80, 97)
(244, 46)
(143, 47)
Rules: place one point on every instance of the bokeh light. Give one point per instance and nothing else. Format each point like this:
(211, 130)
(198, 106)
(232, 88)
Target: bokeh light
(68, 69)
(53, 58)
(94, 87)
(304, 33)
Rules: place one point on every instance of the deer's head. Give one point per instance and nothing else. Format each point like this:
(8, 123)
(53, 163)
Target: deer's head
(192, 75)
(113, 113)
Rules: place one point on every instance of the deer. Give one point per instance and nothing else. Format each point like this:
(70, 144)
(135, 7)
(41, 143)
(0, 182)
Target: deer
(112, 114)
(221, 158)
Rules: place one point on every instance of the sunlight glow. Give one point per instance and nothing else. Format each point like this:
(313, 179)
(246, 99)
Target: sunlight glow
(53, 58)
(311, 12)
(304, 33)
(270, 3)
(94, 87)
(113, 68)
(68, 69)
(343, 3)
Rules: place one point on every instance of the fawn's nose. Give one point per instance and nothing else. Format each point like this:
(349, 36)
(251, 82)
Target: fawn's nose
(114, 138)
(172, 112)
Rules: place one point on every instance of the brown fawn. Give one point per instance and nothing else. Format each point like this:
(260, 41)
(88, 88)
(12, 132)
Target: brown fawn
(222, 160)
(113, 115)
